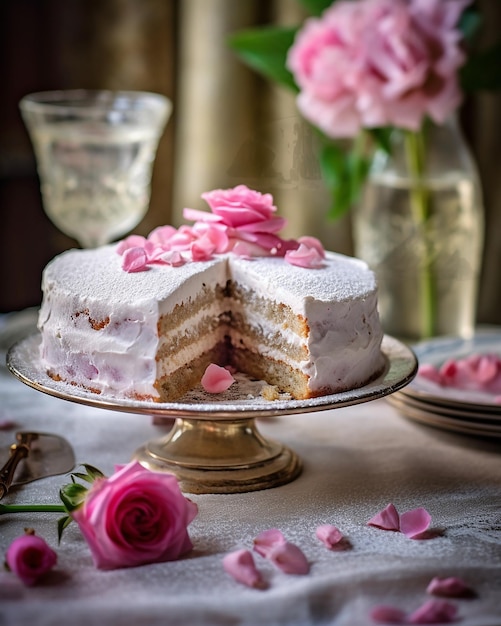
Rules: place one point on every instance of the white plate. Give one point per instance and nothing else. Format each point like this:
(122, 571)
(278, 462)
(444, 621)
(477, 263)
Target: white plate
(458, 412)
(430, 418)
(439, 350)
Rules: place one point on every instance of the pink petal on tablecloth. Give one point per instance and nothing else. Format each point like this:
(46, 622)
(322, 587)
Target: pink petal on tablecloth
(451, 587)
(289, 558)
(240, 564)
(414, 523)
(329, 535)
(267, 540)
(433, 612)
(387, 519)
(384, 614)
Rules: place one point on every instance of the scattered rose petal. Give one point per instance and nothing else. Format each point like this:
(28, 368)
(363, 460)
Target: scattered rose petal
(134, 260)
(387, 519)
(329, 535)
(289, 558)
(173, 258)
(313, 242)
(304, 257)
(414, 523)
(451, 587)
(30, 558)
(216, 379)
(267, 540)
(240, 564)
(433, 612)
(384, 614)
(132, 241)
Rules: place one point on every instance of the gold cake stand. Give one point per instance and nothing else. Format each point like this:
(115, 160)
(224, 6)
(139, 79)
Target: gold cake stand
(214, 445)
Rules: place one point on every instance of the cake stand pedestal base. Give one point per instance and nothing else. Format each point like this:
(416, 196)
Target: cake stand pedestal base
(226, 456)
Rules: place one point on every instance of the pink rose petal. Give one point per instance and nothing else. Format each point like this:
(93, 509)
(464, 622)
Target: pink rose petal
(267, 540)
(240, 564)
(173, 258)
(451, 587)
(289, 558)
(414, 523)
(132, 241)
(134, 260)
(216, 379)
(162, 235)
(433, 612)
(387, 519)
(304, 257)
(329, 535)
(384, 614)
(313, 242)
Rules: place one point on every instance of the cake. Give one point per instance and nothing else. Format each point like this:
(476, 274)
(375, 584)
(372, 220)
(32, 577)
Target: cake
(145, 317)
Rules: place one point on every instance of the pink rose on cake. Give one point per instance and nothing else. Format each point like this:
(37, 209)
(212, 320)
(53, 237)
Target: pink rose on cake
(247, 219)
(134, 517)
(241, 221)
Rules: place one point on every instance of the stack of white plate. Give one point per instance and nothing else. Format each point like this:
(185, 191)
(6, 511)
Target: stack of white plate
(468, 412)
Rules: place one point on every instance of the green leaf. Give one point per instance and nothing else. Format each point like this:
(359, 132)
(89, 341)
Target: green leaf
(72, 496)
(482, 71)
(92, 473)
(316, 7)
(62, 523)
(265, 50)
(333, 164)
(469, 23)
(382, 137)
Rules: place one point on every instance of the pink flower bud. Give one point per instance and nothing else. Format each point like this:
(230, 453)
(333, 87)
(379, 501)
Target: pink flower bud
(29, 557)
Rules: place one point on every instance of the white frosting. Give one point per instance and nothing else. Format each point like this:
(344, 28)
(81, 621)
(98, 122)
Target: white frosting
(338, 300)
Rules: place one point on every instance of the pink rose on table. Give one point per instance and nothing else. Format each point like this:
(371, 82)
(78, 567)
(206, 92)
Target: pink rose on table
(30, 558)
(375, 63)
(135, 517)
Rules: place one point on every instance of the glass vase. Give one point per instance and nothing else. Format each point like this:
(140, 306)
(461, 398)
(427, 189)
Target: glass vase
(420, 227)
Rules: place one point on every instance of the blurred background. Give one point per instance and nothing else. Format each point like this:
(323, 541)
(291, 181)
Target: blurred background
(228, 126)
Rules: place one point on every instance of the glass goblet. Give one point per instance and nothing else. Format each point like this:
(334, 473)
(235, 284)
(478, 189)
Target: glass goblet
(95, 152)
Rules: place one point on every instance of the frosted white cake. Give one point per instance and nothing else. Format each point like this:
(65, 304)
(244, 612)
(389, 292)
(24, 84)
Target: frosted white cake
(149, 331)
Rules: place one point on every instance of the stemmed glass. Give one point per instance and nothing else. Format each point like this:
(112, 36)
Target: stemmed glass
(95, 152)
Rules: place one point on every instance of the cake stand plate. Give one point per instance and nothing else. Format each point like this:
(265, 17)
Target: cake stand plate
(214, 445)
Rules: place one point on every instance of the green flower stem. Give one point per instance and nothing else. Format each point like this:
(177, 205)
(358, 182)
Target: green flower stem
(415, 150)
(31, 508)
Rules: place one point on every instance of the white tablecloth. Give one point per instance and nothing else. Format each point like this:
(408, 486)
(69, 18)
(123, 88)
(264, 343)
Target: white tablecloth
(356, 461)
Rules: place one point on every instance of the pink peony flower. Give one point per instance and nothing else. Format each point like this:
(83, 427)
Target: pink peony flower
(136, 516)
(30, 558)
(378, 63)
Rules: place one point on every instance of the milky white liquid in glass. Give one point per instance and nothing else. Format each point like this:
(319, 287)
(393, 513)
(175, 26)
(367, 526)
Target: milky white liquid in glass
(95, 180)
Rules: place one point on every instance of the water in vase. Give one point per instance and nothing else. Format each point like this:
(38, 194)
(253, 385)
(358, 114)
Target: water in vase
(427, 266)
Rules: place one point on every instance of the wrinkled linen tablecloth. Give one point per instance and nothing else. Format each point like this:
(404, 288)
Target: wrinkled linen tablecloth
(356, 460)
